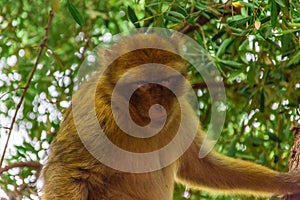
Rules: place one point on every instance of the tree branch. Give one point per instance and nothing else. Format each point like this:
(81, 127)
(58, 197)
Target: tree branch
(294, 162)
(202, 85)
(228, 10)
(29, 164)
(41, 48)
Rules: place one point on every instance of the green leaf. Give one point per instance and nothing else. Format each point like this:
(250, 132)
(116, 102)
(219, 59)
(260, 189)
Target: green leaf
(274, 12)
(223, 47)
(274, 137)
(20, 148)
(294, 60)
(238, 20)
(296, 20)
(132, 17)
(234, 75)
(255, 140)
(265, 19)
(281, 3)
(200, 6)
(29, 147)
(262, 99)
(250, 5)
(231, 64)
(25, 172)
(262, 158)
(20, 155)
(290, 31)
(176, 14)
(198, 38)
(75, 13)
(192, 19)
(244, 46)
(172, 19)
(251, 75)
(286, 41)
(153, 4)
(243, 33)
(181, 10)
(232, 148)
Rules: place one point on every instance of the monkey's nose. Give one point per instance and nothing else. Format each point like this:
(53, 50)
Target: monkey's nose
(157, 113)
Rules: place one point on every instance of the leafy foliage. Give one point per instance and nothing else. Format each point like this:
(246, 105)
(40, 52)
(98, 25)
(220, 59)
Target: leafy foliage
(255, 45)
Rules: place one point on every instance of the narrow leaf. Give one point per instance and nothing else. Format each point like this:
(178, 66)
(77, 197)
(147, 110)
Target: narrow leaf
(281, 3)
(75, 14)
(132, 17)
(29, 147)
(262, 100)
(177, 15)
(171, 18)
(250, 5)
(274, 12)
(286, 41)
(255, 140)
(294, 60)
(238, 20)
(231, 64)
(262, 158)
(223, 47)
(181, 10)
(274, 137)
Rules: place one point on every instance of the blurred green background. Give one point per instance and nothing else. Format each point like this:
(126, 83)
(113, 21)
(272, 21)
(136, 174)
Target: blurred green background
(254, 44)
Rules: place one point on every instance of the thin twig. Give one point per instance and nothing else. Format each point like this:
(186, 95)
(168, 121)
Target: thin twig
(41, 48)
(202, 85)
(87, 44)
(3, 95)
(29, 164)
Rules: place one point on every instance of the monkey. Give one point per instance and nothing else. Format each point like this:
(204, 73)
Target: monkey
(72, 172)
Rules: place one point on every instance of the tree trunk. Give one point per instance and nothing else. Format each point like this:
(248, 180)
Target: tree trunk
(294, 159)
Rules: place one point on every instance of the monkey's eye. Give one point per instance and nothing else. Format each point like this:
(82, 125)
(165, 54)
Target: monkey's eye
(166, 81)
(140, 83)
(172, 80)
(136, 84)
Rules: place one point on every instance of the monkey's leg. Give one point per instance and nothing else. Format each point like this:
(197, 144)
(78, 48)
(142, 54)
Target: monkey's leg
(63, 183)
(230, 175)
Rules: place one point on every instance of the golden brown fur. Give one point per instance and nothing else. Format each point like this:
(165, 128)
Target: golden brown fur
(73, 173)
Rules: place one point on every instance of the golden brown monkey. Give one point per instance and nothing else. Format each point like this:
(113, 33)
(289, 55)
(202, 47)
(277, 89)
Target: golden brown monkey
(73, 173)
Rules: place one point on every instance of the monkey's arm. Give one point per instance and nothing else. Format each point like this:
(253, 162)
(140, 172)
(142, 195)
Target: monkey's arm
(219, 172)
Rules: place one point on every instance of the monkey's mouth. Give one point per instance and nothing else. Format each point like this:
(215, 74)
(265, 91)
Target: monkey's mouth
(142, 120)
(153, 116)
(158, 122)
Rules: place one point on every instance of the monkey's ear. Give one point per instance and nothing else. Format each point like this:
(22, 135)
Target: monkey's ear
(105, 57)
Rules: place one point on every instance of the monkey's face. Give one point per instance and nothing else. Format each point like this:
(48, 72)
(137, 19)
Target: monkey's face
(151, 85)
(144, 93)
(154, 101)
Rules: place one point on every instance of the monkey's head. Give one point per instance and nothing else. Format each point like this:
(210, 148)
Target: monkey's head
(146, 81)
